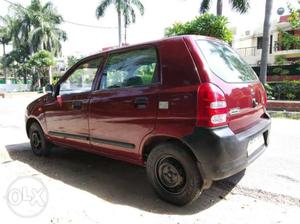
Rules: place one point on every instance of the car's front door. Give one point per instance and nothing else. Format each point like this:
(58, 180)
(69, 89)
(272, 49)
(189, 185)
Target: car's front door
(123, 109)
(67, 113)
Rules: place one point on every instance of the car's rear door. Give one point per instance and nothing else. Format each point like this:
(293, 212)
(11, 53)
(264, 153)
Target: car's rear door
(67, 113)
(123, 109)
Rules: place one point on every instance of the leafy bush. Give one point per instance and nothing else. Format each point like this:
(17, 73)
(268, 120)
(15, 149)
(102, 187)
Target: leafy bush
(206, 24)
(289, 41)
(286, 90)
(281, 61)
(269, 91)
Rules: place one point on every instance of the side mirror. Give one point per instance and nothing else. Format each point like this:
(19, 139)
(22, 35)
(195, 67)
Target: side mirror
(49, 88)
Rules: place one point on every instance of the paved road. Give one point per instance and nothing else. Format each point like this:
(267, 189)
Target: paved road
(85, 188)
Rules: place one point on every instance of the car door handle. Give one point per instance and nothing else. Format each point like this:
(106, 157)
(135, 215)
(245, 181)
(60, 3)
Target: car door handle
(141, 102)
(77, 105)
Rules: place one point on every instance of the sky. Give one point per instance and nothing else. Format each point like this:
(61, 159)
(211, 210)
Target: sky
(159, 14)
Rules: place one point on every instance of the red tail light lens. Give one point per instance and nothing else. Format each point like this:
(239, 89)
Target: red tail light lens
(212, 107)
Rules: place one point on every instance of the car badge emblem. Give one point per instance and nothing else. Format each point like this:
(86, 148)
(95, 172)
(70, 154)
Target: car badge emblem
(234, 111)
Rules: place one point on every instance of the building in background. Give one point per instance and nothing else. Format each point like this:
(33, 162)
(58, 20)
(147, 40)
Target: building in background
(248, 43)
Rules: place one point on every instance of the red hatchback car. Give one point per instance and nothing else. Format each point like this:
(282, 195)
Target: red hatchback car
(188, 108)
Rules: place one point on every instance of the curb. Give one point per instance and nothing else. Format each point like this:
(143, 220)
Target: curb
(284, 114)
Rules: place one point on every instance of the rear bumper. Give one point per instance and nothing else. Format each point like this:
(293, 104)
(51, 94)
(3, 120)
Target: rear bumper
(221, 153)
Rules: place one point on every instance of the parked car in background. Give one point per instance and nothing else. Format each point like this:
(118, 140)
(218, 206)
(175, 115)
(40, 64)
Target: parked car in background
(188, 108)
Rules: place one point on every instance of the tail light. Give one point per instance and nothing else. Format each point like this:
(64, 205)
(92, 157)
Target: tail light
(212, 107)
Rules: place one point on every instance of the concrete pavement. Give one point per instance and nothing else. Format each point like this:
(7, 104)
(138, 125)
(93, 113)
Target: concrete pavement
(85, 188)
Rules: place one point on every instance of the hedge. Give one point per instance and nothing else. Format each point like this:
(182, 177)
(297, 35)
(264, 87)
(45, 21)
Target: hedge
(285, 90)
(293, 69)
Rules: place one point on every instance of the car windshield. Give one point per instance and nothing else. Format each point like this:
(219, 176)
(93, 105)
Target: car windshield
(225, 63)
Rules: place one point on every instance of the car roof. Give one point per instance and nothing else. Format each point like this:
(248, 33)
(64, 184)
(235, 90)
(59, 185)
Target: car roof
(153, 42)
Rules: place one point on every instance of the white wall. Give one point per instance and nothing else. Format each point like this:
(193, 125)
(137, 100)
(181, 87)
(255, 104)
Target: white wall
(251, 54)
(14, 87)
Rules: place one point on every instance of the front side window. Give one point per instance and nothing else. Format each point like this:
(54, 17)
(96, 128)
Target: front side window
(81, 79)
(225, 63)
(133, 68)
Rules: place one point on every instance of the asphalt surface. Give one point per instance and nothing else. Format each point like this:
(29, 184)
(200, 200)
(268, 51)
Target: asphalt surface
(86, 188)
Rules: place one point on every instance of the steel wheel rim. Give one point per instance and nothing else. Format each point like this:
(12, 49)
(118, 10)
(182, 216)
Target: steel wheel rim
(171, 175)
(36, 141)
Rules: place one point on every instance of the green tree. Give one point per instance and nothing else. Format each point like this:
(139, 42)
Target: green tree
(45, 34)
(39, 27)
(41, 62)
(241, 6)
(6, 32)
(72, 60)
(130, 15)
(288, 40)
(206, 24)
(125, 8)
(31, 29)
(14, 60)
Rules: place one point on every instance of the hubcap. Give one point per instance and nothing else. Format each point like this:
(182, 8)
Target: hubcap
(171, 174)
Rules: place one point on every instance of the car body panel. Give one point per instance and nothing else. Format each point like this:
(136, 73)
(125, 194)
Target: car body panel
(239, 96)
(117, 124)
(63, 118)
(110, 124)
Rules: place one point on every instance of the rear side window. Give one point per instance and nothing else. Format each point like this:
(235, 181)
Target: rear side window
(132, 68)
(225, 63)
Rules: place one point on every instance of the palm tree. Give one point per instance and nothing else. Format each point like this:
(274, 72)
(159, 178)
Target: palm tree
(6, 33)
(129, 14)
(241, 6)
(22, 17)
(39, 27)
(123, 7)
(45, 34)
(265, 42)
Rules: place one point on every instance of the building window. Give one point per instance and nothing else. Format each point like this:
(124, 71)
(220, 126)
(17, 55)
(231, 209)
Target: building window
(259, 42)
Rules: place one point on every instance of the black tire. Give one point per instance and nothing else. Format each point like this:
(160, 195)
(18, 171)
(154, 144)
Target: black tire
(39, 144)
(174, 174)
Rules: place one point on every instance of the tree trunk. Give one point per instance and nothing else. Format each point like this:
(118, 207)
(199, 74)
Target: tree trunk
(25, 78)
(265, 42)
(50, 74)
(39, 83)
(219, 7)
(31, 51)
(4, 66)
(125, 22)
(119, 27)
(125, 33)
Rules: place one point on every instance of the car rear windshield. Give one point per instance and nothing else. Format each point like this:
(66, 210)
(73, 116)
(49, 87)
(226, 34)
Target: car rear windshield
(225, 63)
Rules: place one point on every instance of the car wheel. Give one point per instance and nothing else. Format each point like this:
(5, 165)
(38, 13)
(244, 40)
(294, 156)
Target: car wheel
(174, 174)
(39, 144)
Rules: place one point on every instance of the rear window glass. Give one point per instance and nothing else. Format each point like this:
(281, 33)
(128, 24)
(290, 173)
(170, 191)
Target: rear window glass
(225, 63)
